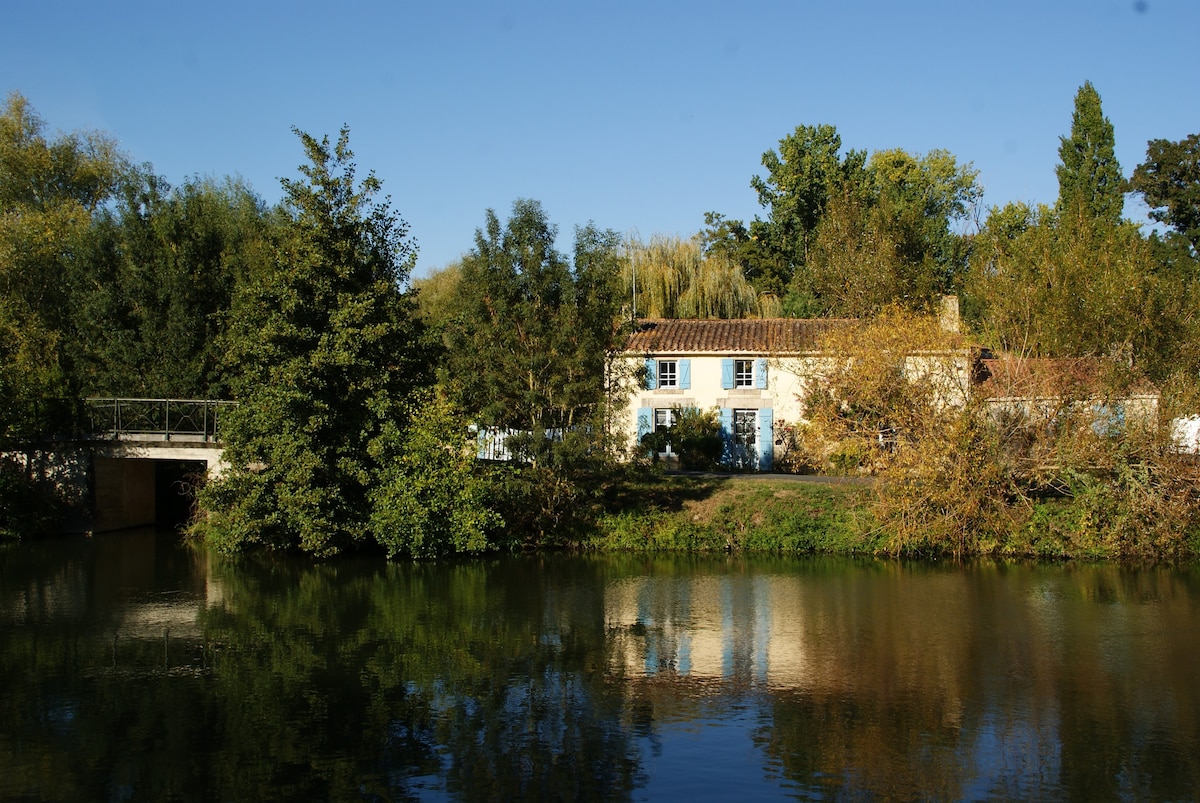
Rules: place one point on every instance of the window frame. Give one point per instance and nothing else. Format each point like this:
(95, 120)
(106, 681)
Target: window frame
(664, 421)
(668, 377)
(745, 427)
(743, 373)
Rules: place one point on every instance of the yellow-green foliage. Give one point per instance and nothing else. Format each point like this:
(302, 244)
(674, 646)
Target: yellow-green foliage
(1051, 484)
(897, 378)
(436, 294)
(675, 279)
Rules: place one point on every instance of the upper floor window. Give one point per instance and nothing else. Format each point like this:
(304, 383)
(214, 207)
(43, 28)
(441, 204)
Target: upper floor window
(743, 373)
(668, 376)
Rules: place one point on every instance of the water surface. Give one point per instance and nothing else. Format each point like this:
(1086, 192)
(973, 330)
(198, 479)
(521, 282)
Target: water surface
(135, 669)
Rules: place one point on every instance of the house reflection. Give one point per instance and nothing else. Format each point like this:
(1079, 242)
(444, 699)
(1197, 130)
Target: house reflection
(711, 628)
(878, 636)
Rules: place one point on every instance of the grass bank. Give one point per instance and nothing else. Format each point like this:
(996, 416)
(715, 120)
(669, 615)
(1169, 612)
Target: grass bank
(656, 512)
(706, 513)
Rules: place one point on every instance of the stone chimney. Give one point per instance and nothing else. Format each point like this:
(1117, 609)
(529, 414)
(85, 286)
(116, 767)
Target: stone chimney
(948, 314)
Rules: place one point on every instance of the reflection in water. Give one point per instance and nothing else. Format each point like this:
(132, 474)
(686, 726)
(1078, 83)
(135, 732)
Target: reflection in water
(136, 669)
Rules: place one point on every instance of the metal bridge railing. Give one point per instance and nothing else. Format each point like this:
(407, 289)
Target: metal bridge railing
(169, 419)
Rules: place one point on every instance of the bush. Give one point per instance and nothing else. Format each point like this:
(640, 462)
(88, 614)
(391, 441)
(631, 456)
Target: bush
(27, 508)
(695, 439)
(431, 499)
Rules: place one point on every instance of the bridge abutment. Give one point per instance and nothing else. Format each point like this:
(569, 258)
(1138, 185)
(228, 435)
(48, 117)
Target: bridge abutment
(115, 485)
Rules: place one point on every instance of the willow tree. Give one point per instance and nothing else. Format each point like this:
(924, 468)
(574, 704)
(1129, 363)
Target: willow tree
(670, 277)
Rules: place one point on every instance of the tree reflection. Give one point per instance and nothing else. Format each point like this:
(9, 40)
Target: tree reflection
(990, 683)
(339, 681)
(162, 674)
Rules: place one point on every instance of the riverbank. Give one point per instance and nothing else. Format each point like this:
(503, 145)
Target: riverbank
(788, 514)
(706, 512)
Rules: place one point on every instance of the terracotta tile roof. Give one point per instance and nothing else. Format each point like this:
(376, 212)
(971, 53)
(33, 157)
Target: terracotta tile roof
(1065, 377)
(741, 336)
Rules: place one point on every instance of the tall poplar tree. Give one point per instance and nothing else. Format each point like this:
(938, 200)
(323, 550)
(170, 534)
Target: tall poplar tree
(328, 350)
(1089, 177)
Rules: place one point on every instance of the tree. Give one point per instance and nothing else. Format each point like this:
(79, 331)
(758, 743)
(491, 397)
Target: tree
(886, 237)
(160, 271)
(436, 292)
(1169, 180)
(855, 262)
(49, 191)
(923, 197)
(1089, 177)
(903, 203)
(900, 379)
(1047, 289)
(529, 341)
(731, 242)
(800, 177)
(328, 350)
(670, 277)
(429, 499)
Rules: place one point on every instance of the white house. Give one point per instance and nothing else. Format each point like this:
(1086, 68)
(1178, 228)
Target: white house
(757, 372)
(753, 371)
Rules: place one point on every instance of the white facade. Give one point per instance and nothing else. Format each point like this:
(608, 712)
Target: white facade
(749, 401)
(754, 373)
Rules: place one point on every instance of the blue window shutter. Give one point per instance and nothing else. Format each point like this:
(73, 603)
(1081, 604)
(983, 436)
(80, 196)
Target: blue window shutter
(727, 373)
(760, 373)
(726, 418)
(651, 374)
(645, 421)
(766, 438)
(685, 374)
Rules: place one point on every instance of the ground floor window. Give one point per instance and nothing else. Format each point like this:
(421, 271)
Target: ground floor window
(664, 419)
(745, 427)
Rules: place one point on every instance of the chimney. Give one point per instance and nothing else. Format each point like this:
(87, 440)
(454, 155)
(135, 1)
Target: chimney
(948, 314)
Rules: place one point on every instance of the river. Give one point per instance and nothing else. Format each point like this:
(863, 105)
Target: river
(135, 668)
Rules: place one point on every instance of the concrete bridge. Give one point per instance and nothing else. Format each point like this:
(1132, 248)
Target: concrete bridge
(131, 462)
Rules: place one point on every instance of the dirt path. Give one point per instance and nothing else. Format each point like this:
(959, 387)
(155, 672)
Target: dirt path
(763, 476)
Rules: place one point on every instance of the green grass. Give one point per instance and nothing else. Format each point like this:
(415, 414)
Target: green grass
(672, 513)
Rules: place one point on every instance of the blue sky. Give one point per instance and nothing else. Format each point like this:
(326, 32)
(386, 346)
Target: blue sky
(639, 116)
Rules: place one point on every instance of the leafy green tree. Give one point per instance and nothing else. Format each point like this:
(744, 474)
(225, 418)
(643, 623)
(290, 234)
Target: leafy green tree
(1042, 288)
(49, 191)
(824, 208)
(161, 267)
(429, 499)
(1169, 180)
(530, 338)
(801, 176)
(328, 349)
(888, 238)
(731, 242)
(855, 262)
(923, 198)
(436, 292)
(1089, 177)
